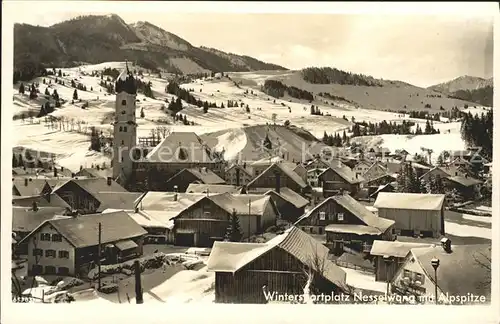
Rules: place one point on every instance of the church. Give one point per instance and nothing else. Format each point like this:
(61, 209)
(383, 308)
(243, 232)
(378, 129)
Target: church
(138, 167)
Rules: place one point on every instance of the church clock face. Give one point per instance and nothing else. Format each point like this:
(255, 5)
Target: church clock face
(123, 112)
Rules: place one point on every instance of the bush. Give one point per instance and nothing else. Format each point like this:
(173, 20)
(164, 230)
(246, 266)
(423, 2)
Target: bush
(109, 288)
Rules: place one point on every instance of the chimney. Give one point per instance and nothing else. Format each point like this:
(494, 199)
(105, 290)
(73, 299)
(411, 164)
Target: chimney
(26, 182)
(62, 168)
(278, 182)
(73, 175)
(446, 244)
(109, 181)
(175, 194)
(35, 206)
(237, 176)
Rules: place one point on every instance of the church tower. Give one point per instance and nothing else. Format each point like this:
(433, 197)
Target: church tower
(125, 126)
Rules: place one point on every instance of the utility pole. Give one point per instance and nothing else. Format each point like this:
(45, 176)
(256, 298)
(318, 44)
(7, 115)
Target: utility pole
(99, 259)
(249, 216)
(138, 285)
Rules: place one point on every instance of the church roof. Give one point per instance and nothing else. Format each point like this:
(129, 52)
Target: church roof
(126, 82)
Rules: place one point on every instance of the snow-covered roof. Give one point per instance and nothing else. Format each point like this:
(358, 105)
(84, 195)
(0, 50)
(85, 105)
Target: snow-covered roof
(417, 201)
(394, 248)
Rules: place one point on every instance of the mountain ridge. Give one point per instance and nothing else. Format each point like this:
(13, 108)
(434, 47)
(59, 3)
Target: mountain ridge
(464, 82)
(101, 38)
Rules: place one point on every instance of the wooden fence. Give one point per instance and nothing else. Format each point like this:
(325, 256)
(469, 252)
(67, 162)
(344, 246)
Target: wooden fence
(355, 266)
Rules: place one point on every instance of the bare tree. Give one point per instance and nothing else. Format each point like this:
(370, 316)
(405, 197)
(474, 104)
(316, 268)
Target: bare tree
(484, 261)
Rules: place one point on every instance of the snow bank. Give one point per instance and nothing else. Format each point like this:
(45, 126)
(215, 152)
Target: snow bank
(466, 230)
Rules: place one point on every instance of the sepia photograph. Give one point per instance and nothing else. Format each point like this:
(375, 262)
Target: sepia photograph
(250, 158)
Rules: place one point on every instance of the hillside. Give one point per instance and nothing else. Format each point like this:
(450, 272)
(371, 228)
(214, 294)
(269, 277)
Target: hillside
(96, 39)
(465, 82)
(384, 95)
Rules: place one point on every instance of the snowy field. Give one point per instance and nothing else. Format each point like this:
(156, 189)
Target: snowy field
(74, 146)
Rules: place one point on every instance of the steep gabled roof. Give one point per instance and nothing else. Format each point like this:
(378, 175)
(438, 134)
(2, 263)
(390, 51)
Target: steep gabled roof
(29, 186)
(232, 257)
(206, 176)
(239, 166)
(55, 201)
(118, 200)
(26, 219)
(415, 201)
(93, 186)
(344, 172)
(243, 204)
(286, 170)
(465, 181)
(290, 196)
(195, 150)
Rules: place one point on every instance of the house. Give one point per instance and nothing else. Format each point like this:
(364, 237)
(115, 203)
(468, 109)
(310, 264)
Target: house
(434, 172)
(28, 187)
(361, 167)
(69, 246)
(259, 166)
(468, 187)
(347, 223)
(244, 272)
(26, 219)
(238, 175)
(290, 204)
(400, 154)
(339, 178)
(181, 180)
(463, 270)
(280, 175)
(380, 180)
(313, 177)
(389, 256)
(83, 194)
(212, 188)
(376, 170)
(414, 213)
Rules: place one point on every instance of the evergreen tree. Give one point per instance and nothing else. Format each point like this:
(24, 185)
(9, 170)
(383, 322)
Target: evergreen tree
(344, 137)
(234, 232)
(75, 95)
(95, 141)
(438, 185)
(267, 143)
(205, 107)
(21, 88)
(142, 113)
(325, 138)
(247, 109)
(15, 162)
(60, 73)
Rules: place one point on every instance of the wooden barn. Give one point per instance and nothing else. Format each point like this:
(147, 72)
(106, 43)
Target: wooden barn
(28, 187)
(83, 194)
(338, 179)
(346, 223)
(414, 214)
(181, 180)
(246, 272)
(468, 187)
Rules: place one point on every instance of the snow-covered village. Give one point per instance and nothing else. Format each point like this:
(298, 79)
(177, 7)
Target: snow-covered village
(147, 170)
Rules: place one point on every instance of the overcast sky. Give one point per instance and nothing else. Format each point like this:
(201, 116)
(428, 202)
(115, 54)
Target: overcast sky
(422, 50)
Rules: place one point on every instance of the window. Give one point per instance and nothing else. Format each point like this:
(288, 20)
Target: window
(63, 271)
(406, 274)
(340, 217)
(63, 254)
(45, 237)
(125, 128)
(56, 238)
(124, 103)
(420, 278)
(50, 270)
(320, 230)
(50, 253)
(37, 269)
(123, 142)
(322, 215)
(37, 252)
